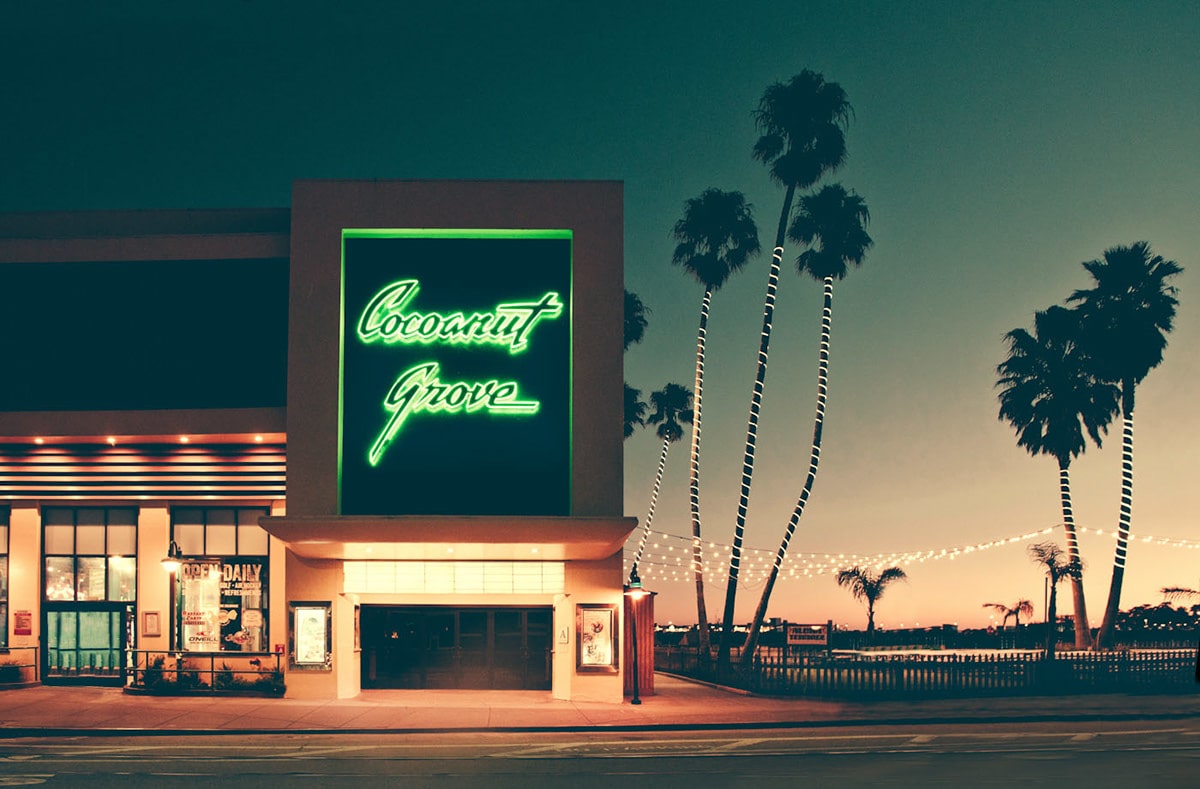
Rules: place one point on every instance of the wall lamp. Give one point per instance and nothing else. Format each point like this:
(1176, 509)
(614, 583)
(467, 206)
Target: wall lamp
(172, 560)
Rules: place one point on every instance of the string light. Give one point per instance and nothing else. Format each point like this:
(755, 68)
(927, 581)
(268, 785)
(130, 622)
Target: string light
(668, 565)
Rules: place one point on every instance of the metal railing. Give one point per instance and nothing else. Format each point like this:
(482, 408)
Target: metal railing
(215, 673)
(899, 675)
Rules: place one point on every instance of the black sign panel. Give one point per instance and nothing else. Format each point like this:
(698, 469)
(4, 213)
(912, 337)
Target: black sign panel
(456, 372)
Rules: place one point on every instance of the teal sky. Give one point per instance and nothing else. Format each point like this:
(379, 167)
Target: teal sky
(997, 145)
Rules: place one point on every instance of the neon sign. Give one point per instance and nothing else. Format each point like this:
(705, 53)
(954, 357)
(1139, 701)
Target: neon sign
(418, 389)
(384, 320)
(456, 364)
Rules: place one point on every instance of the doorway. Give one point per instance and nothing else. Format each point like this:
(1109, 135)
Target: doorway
(444, 647)
(87, 643)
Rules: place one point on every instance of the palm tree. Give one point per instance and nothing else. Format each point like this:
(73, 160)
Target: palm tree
(830, 223)
(869, 587)
(802, 124)
(635, 319)
(1179, 592)
(1022, 607)
(1059, 565)
(635, 410)
(635, 330)
(672, 404)
(715, 238)
(1051, 399)
(1125, 318)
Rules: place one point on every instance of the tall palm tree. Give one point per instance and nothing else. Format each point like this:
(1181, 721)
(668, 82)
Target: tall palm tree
(635, 319)
(1051, 399)
(1125, 317)
(869, 587)
(830, 224)
(672, 405)
(802, 124)
(635, 410)
(714, 239)
(1021, 607)
(1059, 565)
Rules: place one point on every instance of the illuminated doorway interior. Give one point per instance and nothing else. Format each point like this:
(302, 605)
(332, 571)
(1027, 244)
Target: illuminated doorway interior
(445, 647)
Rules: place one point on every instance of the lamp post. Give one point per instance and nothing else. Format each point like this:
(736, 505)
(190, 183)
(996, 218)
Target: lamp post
(171, 563)
(635, 593)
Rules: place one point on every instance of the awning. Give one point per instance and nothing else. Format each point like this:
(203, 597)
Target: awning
(451, 537)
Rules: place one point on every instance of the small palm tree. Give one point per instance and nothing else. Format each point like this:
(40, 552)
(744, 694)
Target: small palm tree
(1059, 565)
(869, 587)
(802, 125)
(1021, 607)
(672, 405)
(714, 239)
(1126, 316)
(1179, 593)
(830, 223)
(635, 319)
(635, 410)
(1051, 399)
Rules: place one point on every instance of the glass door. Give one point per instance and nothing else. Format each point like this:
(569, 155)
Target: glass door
(87, 643)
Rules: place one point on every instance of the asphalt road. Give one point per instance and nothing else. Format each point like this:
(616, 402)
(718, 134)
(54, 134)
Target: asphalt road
(1091, 755)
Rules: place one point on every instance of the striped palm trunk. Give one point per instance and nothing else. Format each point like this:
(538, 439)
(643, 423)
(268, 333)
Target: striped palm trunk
(1104, 637)
(1083, 631)
(705, 648)
(813, 460)
(662, 464)
(760, 378)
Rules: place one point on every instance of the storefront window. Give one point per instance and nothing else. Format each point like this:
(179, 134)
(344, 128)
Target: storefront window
(90, 554)
(3, 578)
(222, 584)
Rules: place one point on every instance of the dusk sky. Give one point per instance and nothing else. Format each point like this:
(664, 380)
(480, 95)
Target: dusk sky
(997, 145)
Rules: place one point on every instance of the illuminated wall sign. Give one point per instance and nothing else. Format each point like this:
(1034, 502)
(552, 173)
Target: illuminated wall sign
(456, 372)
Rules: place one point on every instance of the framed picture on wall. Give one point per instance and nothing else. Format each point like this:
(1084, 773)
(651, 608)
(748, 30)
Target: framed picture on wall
(596, 639)
(311, 636)
(151, 624)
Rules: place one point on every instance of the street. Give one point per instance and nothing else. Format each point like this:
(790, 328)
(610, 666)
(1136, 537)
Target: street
(1096, 754)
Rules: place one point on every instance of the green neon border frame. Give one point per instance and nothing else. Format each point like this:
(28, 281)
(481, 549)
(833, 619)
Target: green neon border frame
(427, 232)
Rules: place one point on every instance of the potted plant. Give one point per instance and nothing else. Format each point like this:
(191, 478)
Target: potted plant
(10, 670)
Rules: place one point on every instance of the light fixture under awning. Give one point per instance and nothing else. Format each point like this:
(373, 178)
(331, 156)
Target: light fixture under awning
(451, 537)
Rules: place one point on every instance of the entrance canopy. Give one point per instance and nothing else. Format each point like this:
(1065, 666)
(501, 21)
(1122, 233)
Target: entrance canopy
(447, 537)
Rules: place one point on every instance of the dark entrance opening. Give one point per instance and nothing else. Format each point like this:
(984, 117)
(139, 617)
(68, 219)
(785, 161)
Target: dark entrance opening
(444, 647)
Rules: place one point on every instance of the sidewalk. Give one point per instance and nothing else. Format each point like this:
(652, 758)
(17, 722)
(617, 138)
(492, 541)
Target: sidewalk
(677, 705)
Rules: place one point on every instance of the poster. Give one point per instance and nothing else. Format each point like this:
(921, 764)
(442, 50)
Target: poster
(311, 637)
(596, 639)
(200, 605)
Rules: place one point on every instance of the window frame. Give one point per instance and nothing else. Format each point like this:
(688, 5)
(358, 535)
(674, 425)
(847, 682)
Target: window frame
(75, 556)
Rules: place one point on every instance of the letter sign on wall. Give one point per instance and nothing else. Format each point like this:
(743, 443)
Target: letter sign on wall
(456, 372)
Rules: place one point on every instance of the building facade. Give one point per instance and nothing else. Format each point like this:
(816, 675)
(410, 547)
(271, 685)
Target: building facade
(379, 432)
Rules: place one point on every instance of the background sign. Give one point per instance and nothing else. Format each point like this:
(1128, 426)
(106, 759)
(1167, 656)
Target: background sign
(456, 372)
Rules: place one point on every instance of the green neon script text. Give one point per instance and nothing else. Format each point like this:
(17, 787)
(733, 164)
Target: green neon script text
(418, 390)
(385, 320)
